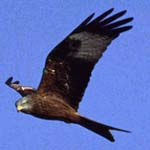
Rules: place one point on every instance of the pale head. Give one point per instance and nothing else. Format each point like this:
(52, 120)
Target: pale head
(23, 104)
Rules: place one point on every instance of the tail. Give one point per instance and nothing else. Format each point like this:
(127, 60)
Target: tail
(98, 128)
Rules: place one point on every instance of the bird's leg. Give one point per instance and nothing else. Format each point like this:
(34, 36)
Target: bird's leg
(23, 90)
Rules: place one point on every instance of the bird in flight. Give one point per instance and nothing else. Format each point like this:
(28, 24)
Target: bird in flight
(67, 72)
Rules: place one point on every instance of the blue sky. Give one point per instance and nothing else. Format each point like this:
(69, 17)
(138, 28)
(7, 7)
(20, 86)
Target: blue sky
(119, 90)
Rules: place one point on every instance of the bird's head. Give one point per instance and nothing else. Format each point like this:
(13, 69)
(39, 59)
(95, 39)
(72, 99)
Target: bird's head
(24, 104)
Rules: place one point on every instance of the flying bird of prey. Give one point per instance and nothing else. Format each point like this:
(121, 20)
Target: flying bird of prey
(67, 72)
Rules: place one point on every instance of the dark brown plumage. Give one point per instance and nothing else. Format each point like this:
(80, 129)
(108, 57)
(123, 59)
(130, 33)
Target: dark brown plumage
(67, 71)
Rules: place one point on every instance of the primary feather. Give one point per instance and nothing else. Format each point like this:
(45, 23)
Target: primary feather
(69, 65)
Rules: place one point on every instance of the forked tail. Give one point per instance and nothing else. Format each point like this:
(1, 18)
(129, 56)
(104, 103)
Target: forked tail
(99, 128)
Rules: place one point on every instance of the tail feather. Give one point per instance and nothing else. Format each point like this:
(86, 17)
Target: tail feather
(99, 128)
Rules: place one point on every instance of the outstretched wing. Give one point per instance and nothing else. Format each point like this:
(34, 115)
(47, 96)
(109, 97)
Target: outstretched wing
(22, 90)
(68, 67)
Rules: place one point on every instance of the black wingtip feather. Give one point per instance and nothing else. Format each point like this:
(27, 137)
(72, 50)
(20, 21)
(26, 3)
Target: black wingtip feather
(88, 19)
(105, 24)
(112, 18)
(83, 24)
(121, 29)
(102, 16)
(8, 81)
(117, 24)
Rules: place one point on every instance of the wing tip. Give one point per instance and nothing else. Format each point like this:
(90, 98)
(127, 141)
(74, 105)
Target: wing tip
(117, 31)
(130, 19)
(110, 10)
(90, 16)
(8, 81)
(124, 11)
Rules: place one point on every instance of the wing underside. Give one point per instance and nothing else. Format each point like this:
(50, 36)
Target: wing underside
(68, 67)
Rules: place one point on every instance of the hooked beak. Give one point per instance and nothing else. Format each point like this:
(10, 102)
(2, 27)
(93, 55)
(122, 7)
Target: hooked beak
(19, 108)
(22, 105)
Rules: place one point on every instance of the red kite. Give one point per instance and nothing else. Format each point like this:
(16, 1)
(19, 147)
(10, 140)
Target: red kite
(67, 72)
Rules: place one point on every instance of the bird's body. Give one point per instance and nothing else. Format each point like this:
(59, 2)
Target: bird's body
(67, 72)
(56, 109)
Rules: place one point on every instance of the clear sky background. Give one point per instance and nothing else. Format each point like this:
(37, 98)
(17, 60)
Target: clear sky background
(119, 90)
